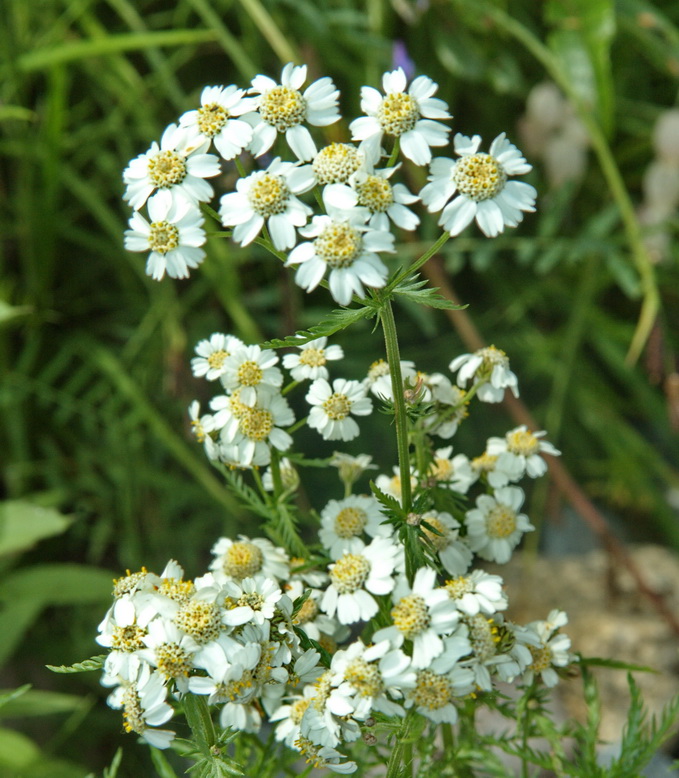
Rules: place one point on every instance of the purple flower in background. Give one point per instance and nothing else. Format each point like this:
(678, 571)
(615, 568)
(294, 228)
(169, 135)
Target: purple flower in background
(400, 58)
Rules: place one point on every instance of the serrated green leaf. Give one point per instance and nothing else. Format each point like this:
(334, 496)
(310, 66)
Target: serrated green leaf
(614, 664)
(94, 663)
(23, 524)
(337, 320)
(417, 291)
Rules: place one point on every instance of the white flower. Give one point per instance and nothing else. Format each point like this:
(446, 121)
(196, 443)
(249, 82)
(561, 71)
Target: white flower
(174, 236)
(443, 534)
(333, 407)
(144, 706)
(366, 675)
(290, 716)
(170, 650)
(409, 116)
(268, 197)
(212, 354)
(549, 648)
(250, 599)
(343, 244)
(179, 165)
(355, 577)
(336, 162)
(392, 485)
(311, 362)
(437, 686)
(344, 521)
(324, 756)
(518, 453)
(216, 119)
(485, 637)
(421, 614)
(490, 367)
(122, 631)
(478, 592)
(248, 370)
(378, 379)
(229, 665)
(283, 108)
(373, 190)
(495, 527)
(452, 472)
(245, 558)
(450, 405)
(480, 182)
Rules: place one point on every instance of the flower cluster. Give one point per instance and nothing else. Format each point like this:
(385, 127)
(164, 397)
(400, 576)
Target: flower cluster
(356, 186)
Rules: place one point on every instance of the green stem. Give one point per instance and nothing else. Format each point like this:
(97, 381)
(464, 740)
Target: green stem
(397, 767)
(400, 417)
(394, 153)
(417, 264)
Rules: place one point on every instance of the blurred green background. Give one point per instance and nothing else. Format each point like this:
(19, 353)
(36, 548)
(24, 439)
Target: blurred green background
(99, 470)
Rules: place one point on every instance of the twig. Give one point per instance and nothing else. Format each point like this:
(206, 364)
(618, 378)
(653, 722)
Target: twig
(560, 476)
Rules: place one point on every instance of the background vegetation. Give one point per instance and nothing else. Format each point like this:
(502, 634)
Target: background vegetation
(99, 472)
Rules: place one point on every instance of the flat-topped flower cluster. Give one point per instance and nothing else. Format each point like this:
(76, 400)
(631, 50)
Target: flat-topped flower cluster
(342, 234)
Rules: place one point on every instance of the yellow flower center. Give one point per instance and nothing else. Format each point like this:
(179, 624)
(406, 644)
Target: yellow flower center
(483, 636)
(432, 691)
(282, 107)
(249, 374)
(337, 406)
(243, 560)
(479, 176)
(234, 689)
(216, 359)
(238, 409)
(177, 590)
(398, 113)
(376, 194)
(410, 615)
(501, 522)
(173, 660)
(307, 612)
(542, 658)
(269, 195)
(438, 541)
(253, 600)
(350, 522)
(298, 709)
(201, 620)
(128, 639)
(211, 119)
(166, 169)
(458, 587)
(350, 573)
(338, 245)
(133, 713)
(323, 686)
(312, 357)
(335, 163)
(364, 677)
(442, 469)
(256, 424)
(484, 464)
(163, 237)
(129, 583)
(378, 368)
(522, 442)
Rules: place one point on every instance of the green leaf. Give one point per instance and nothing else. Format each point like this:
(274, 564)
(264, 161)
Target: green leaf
(94, 663)
(112, 771)
(337, 320)
(57, 584)
(414, 290)
(11, 313)
(26, 702)
(161, 764)
(16, 750)
(23, 524)
(595, 661)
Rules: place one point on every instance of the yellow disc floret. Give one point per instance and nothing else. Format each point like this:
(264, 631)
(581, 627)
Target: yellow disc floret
(350, 522)
(163, 237)
(166, 169)
(335, 163)
(211, 119)
(269, 195)
(501, 522)
(522, 442)
(242, 560)
(350, 573)
(337, 406)
(410, 615)
(282, 107)
(376, 194)
(339, 245)
(432, 691)
(256, 424)
(312, 357)
(398, 113)
(173, 661)
(479, 176)
(364, 677)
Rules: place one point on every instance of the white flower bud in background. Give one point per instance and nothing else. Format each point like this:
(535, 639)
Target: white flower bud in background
(666, 136)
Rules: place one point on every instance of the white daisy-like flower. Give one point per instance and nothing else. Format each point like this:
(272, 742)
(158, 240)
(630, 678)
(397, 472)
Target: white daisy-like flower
(485, 637)
(391, 485)
(490, 366)
(248, 370)
(450, 405)
(333, 406)
(518, 453)
(122, 631)
(246, 439)
(378, 379)
(244, 558)
(495, 527)
(356, 577)
(179, 165)
(170, 650)
(372, 189)
(343, 522)
(310, 362)
(412, 117)
(478, 183)
(144, 707)
(250, 599)
(324, 757)
(283, 108)
(452, 472)
(420, 614)
(229, 665)
(369, 676)
(269, 197)
(328, 721)
(344, 245)
(443, 533)
(335, 162)
(438, 685)
(289, 716)
(173, 236)
(549, 648)
(217, 119)
(212, 353)
(478, 592)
